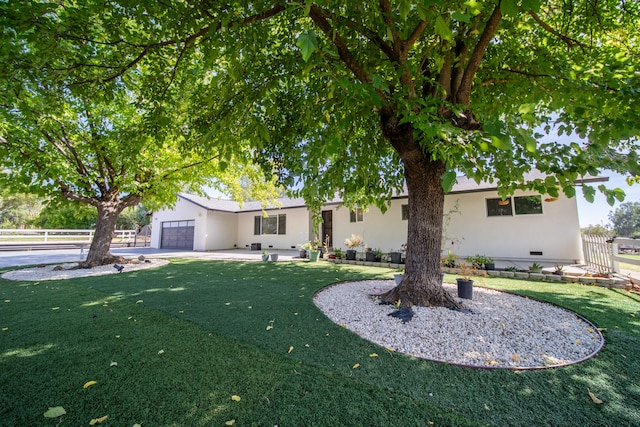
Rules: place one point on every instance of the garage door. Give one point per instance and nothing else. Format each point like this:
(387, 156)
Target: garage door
(177, 235)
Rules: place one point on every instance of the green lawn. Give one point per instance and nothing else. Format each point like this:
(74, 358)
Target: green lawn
(631, 267)
(189, 336)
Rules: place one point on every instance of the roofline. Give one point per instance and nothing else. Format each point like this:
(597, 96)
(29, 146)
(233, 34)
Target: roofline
(580, 181)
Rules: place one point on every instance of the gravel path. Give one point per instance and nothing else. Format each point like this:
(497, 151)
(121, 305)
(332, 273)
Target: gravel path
(502, 330)
(49, 272)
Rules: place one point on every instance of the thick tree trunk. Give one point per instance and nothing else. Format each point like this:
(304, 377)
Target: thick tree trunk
(421, 284)
(99, 254)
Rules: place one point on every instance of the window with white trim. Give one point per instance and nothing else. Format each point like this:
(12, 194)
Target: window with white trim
(276, 224)
(356, 215)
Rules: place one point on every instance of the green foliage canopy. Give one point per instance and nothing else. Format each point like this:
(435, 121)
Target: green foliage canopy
(626, 219)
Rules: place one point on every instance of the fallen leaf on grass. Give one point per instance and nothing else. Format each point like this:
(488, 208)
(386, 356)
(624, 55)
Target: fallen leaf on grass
(55, 412)
(137, 425)
(160, 351)
(113, 364)
(5, 329)
(290, 349)
(594, 398)
(373, 355)
(356, 366)
(270, 327)
(230, 422)
(98, 420)
(7, 300)
(55, 308)
(235, 398)
(89, 384)
(139, 301)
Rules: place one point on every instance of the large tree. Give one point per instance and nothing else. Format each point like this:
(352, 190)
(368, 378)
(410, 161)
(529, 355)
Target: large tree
(626, 219)
(100, 143)
(363, 98)
(445, 87)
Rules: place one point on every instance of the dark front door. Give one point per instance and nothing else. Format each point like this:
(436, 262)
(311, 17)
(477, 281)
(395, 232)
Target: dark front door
(327, 227)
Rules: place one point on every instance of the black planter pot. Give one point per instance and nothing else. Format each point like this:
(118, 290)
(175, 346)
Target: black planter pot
(370, 256)
(465, 288)
(395, 257)
(351, 255)
(302, 253)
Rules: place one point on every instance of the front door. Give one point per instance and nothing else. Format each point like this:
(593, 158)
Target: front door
(327, 227)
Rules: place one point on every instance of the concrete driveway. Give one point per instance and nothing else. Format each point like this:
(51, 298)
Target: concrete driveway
(21, 258)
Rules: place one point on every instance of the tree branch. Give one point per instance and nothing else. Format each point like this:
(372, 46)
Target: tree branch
(146, 49)
(319, 17)
(567, 40)
(464, 91)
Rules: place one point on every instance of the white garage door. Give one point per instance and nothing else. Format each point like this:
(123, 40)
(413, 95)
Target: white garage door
(177, 235)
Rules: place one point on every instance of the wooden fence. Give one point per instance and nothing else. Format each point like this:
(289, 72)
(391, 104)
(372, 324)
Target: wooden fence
(602, 253)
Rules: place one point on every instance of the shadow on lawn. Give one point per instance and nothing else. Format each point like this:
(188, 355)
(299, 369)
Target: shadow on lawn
(270, 305)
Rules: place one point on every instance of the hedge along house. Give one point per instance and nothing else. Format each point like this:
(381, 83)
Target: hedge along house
(525, 227)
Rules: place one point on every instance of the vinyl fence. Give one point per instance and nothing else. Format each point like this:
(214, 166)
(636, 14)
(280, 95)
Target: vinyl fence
(602, 253)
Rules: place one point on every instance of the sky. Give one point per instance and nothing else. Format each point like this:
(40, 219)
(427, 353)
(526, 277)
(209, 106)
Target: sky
(598, 212)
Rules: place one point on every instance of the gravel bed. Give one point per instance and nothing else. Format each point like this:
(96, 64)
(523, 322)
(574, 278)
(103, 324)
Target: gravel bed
(49, 272)
(501, 331)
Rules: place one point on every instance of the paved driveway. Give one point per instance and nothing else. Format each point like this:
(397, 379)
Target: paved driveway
(19, 258)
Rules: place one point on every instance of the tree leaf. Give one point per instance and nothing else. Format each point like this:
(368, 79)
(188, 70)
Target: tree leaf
(55, 412)
(509, 7)
(449, 179)
(307, 43)
(594, 398)
(236, 398)
(98, 420)
(89, 384)
(442, 29)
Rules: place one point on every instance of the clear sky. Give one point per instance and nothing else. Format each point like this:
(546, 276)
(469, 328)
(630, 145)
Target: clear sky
(598, 211)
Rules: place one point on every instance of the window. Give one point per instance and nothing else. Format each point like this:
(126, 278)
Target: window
(357, 215)
(499, 207)
(527, 205)
(405, 212)
(521, 205)
(276, 224)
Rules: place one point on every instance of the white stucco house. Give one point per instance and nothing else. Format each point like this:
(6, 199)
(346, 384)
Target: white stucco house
(527, 227)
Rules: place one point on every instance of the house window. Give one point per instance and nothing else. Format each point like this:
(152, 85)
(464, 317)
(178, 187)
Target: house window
(405, 212)
(276, 224)
(357, 215)
(527, 205)
(499, 207)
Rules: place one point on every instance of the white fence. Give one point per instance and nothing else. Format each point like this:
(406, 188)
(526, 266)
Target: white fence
(602, 253)
(53, 236)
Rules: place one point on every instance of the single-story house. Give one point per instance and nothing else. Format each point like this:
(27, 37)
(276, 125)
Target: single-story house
(525, 227)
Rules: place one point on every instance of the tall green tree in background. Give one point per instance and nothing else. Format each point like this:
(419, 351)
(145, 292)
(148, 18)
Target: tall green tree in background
(18, 210)
(626, 219)
(362, 99)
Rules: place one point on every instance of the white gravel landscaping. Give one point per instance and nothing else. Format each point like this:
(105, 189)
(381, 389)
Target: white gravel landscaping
(67, 271)
(501, 331)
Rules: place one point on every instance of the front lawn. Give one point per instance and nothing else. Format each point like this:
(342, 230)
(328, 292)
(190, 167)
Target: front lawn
(171, 346)
(631, 267)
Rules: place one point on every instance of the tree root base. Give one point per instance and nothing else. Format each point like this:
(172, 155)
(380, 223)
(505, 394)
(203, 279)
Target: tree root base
(407, 295)
(110, 259)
